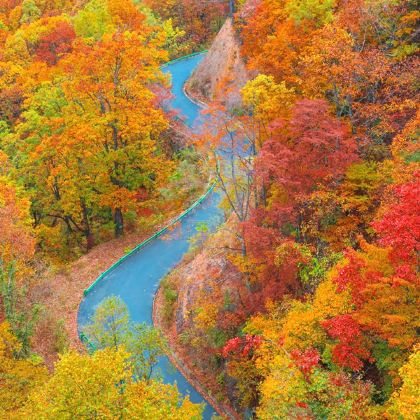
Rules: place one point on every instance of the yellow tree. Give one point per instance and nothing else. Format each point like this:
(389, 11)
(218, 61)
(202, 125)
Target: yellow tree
(266, 100)
(16, 234)
(90, 137)
(17, 377)
(102, 386)
(405, 402)
(108, 87)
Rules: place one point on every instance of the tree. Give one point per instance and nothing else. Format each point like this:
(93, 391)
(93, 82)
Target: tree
(16, 234)
(224, 138)
(93, 20)
(111, 328)
(110, 324)
(102, 385)
(351, 348)
(350, 59)
(115, 98)
(53, 45)
(200, 21)
(18, 377)
(11, 94)
(91, 135)
(308, 149)
(147, 346)
(30, 11)
(356, 202)
(311, 148)
(384, 293)
(302, 11)
(266, 99)
(400, 224)
(18, 312)
(406, 401)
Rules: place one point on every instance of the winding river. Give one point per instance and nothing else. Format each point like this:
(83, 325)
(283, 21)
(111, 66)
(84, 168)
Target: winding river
(137, 278)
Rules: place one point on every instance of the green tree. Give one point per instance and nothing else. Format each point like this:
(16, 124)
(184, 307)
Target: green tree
(111, 328)
(93, 20)
(110, 324)
(147, 345)
(20, 315)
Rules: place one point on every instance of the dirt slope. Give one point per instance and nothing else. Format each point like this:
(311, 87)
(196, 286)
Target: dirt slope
(205, 278)
(222, 73)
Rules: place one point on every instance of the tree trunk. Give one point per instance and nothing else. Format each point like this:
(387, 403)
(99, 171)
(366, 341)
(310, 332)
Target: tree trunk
(90, 240)
(119, 222)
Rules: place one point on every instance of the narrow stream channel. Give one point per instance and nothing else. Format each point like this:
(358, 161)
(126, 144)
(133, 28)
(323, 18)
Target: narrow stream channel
(137, 279)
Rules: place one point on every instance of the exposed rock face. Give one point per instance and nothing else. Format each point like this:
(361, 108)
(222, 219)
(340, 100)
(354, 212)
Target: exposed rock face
(202, 282)
(208, 274)
(197, 305)
(222, 73)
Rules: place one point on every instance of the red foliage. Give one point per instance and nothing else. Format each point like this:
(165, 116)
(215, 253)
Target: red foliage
(406, 272)
(312, 147)
(350, 275)
(351, 348)
(55, 44)
(231, 346)
(261, 242)
(305, 361)
(400, 225)
(241, 345)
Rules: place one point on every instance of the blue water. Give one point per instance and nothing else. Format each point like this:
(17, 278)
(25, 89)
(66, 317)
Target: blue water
(137, 279)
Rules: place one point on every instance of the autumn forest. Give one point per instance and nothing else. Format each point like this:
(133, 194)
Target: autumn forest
(209, 209)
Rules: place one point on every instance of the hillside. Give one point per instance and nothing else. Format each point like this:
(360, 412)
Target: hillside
(305, 307)
(222, 73)
(273, 184)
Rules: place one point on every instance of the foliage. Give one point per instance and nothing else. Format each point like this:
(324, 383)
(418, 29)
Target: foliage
(18, 377)
(20, 314)
(102, 385)
(405, 401)
(170, 295)
(111, 327)
(400, 225)
(82, 120)
(312, 309)
(16, 239)
(198, 21)
(109, 324)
